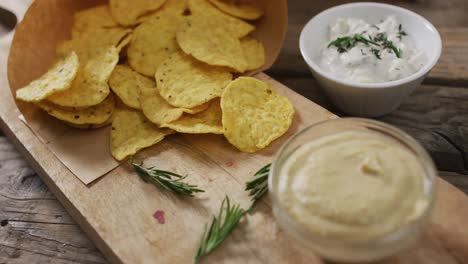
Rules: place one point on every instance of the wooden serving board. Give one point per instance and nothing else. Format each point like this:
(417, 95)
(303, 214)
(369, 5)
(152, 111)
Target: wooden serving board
(116, 211)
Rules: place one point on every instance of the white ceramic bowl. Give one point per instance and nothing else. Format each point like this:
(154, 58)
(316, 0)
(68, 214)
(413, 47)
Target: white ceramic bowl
(368, 99)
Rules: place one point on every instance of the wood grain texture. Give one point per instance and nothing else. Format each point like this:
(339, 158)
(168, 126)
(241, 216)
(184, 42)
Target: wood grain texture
(40, 237)
(34, 227)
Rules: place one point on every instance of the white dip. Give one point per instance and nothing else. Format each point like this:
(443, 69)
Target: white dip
(391, 56)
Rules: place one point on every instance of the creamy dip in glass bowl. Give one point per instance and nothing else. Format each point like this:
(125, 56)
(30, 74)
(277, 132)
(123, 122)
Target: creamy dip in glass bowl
(352, 190)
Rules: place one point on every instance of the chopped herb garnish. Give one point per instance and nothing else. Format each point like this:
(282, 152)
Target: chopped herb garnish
(165, 179)
(389, 45)
(363, 53)
(376, 53)
(401, 32)
(376, 27)
(343, 44)
(380, 37)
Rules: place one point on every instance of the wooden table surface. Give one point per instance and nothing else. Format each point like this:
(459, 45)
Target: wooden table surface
(34, 227)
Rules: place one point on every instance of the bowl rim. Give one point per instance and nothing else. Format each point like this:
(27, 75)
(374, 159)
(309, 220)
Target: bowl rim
(421, 73)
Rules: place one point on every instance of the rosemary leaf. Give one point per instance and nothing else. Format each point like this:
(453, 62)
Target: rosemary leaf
(220, 228)
(167, 180)
(258, 186)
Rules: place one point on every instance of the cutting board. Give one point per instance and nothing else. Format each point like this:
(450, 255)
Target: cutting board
(117, 211)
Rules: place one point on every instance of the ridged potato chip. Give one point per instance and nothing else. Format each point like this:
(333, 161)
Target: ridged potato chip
(185, 82)
(127, 84)
(208, 121)
(58, 78)
(208, 42)
(94, 115)
(131, 132)
(254, 53)
(92, 18)
(128, 12)
(158, 111)
(235, 26)
(254, 114)
(245, 11)
(154, 40)
(90, 85)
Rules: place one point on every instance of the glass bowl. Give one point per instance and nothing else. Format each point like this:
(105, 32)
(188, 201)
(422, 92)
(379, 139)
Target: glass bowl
(353, 250)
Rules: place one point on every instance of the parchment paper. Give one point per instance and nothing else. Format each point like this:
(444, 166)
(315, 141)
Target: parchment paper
(46, 23)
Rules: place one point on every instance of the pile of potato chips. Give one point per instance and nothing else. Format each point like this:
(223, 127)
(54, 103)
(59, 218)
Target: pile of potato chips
(152, 68)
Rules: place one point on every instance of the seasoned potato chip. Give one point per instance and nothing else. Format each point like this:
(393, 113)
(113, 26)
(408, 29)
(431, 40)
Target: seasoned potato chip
(90, 85)
(128, 12)
(158, 111)
(244, 11)
(202, 38)
(237, 27)
(254, 114)
(94, 115)
(185, 82)
(90, 44)
(254, 53)
(131, 132)
(208, 121)
(154, 40)
(58, 78)
(127, 84)
(92, 18)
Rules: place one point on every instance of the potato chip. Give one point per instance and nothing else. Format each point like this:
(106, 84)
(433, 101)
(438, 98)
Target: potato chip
(90, 126)
(185, 82)
(124, 43)
(92, 18)
(209, 43)
(94, 115)
(245, 11)
(254, 53)
(254, 114)
(203, 38)
(208, 121)
(237, 27)
(58, 78)
(158, 111)
(127, 84)
(90, 44)
(90, 85)
(128, 12)
(131, 132)
(154, 40)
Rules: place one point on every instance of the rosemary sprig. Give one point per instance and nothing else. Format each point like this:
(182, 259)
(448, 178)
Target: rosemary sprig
(220, 228)
(165, 179)
(258, 186)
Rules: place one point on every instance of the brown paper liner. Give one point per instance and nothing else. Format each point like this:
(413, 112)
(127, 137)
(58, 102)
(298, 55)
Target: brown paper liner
(47, 23)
